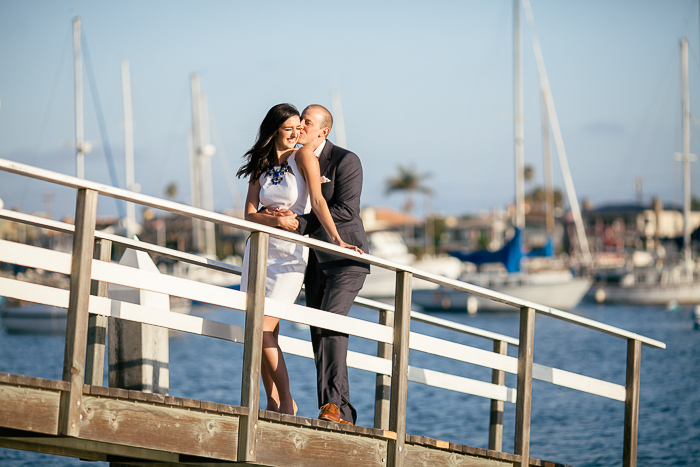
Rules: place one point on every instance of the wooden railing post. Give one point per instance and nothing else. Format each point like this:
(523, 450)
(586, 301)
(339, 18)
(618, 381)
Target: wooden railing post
(523, 404)
(634, 361)
(252, 348)
(97, 324)
(399, 369)
(383, 389)
(496, 423)
(77, 320)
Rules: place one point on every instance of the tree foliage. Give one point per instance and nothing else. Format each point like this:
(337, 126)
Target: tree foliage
(408, 181)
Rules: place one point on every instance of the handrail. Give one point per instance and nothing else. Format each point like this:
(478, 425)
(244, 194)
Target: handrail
(127, 242)
(151, 201)
(63, 227)
(443, 323)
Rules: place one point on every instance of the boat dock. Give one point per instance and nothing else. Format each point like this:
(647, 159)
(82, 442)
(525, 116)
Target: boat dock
(77, 416)
(141, 428)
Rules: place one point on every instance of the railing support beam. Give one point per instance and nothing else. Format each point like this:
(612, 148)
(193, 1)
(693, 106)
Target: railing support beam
(97, 324)
(382, 392)
(399, 368)
(77, 319)
(252, 348)
(497, 406)
(523, 404)
(634, 362)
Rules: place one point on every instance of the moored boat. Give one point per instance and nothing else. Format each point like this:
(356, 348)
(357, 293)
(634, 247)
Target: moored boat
(32, 318)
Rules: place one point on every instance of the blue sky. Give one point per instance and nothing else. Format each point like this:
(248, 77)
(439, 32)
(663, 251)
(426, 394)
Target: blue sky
(427, 84)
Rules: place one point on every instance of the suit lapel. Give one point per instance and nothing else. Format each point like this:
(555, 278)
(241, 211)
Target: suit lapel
(325, 157)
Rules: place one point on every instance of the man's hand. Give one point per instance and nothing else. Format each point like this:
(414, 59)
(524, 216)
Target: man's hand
(277, 212)
(286, 219)
(288, 222)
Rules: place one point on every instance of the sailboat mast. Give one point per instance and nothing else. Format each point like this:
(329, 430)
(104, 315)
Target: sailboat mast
(339, 122)
(78, 67)
(519, 125)
(128, 147)
(202, 191)
(548, 176)
(558, 139)
(196, 147)
(686, 159)
(206, 185)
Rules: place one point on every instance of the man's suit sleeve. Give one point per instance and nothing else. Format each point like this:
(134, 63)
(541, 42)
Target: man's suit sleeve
(346, 196)
(308, 223)
(348, 188)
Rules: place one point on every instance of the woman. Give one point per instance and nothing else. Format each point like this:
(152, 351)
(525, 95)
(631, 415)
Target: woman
(281, 177)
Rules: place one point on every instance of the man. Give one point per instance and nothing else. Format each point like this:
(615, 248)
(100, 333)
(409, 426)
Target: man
(332, 282)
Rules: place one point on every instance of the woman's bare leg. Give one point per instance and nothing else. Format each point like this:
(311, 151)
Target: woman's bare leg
(273, 398)
(273, 363)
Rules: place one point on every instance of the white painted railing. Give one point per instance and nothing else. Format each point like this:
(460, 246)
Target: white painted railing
(392, 333)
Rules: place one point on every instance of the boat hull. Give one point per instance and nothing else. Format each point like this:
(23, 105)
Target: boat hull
(563, 296)
(33, 318)
(650, 295)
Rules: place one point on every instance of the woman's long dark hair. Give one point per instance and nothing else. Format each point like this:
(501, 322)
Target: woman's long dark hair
(261, 156)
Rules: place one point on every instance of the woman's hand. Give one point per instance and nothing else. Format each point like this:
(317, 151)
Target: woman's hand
(338, 241)
(287, 222)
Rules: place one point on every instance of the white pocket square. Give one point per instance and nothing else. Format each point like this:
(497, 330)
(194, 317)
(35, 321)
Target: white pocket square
(325, 180)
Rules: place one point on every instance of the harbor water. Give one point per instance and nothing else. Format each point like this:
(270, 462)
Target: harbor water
(568, 426)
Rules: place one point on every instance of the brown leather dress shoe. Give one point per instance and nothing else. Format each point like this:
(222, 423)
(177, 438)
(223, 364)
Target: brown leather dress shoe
(331, 412)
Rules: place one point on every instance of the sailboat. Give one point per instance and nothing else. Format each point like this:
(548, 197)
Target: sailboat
(35, 318)
(667, 285)
(554, 285)
(381, 283)
(203, 234)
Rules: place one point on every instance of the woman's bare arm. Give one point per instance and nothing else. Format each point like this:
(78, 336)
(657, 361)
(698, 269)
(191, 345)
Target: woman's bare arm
(310, 171)
(252, 201)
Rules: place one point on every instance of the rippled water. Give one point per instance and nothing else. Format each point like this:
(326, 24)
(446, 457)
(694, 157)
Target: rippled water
(567, 426)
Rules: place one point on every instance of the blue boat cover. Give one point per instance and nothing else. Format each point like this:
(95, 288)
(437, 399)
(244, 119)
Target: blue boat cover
(510, 255)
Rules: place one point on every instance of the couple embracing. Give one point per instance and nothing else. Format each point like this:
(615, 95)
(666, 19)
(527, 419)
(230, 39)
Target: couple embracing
(314, 190)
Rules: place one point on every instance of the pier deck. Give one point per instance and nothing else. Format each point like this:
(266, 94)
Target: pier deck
(138, 428)
(78, 417)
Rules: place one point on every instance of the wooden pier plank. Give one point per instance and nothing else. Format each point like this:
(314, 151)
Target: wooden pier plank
(135, 428)
(290, 446)
(30, 409)
(159, 427)
(84, 449)
(424, 456)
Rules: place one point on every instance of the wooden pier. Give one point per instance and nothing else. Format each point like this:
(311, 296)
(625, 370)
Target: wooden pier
(79, 417)
(141, 428)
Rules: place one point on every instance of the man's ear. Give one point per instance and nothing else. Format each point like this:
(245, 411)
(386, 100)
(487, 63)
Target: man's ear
(326, 131)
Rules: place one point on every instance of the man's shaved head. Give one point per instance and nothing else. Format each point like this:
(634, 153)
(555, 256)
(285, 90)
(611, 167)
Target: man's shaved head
(326, 117)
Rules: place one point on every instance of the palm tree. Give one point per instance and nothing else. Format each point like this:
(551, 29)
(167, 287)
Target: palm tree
(409, 181)
(171, 190)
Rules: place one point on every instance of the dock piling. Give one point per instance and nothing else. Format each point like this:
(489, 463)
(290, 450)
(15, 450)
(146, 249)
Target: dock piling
(497, 406)
(399, 368)
(252, 347)
(634, 361)
(382, 393)
(77, 318)
(523, 403)
(97, 324)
